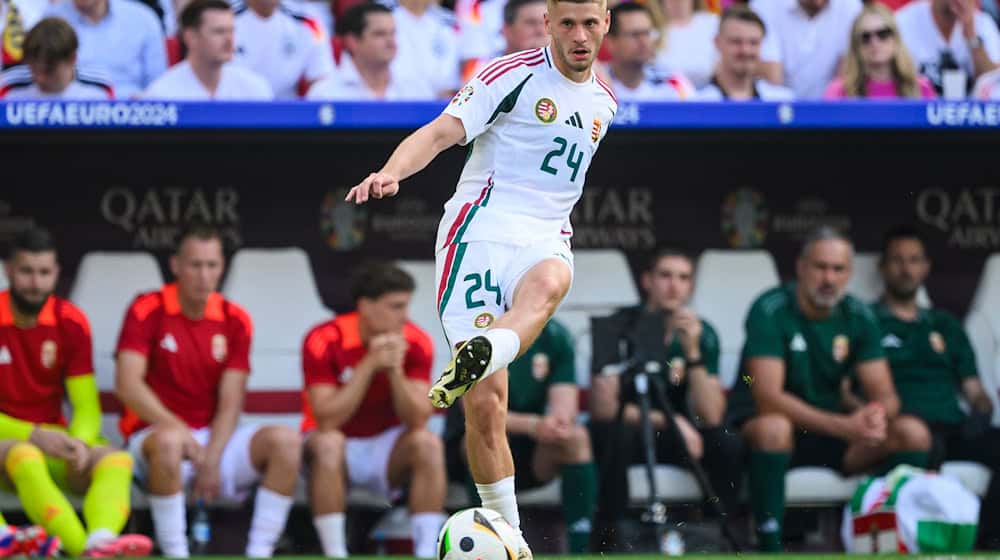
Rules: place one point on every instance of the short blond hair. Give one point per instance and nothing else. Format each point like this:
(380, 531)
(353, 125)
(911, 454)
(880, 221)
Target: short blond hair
(552, 3)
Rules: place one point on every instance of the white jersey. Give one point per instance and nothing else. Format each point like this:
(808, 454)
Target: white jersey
(235, 84)
(532, 134)
(283, 48)
(16, 83)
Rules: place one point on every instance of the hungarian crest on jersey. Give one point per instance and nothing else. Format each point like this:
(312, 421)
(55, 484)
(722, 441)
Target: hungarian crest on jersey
(545, 110)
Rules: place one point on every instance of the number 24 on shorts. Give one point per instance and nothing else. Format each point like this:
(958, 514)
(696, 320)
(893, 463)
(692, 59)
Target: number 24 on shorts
(571, 163)
(478, 281)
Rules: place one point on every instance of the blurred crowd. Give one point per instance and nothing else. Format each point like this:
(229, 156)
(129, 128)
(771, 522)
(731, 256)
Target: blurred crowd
(656, 50)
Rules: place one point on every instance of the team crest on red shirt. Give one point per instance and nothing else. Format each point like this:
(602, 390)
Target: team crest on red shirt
(48, 354)
(545, 110)
(219, 347)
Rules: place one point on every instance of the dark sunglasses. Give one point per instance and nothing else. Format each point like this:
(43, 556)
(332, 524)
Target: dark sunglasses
(883, 35)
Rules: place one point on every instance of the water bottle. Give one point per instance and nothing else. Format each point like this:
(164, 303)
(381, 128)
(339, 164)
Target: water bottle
(672, 544)
(201, 529)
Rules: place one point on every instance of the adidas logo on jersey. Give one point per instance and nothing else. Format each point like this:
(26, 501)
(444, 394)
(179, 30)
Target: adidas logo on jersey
(169, 343)
(798, 343)
(575, 120)
(891, 341)
(5, 358)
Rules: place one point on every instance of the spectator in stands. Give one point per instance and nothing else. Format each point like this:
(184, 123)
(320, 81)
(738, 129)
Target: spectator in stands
(949, 35)
(207, 72)
(288, 49)
(545, 439)
(687, 40)
(45, 357)
(428, 45)
(50, 71)
(666, 330)
(121, 37)
(523, 29)
(18, 17)
(480, 33)
(805, 41)
(631, 41)
(802, 340)
(741, 33)
(366, 73)
(877, 64)
(367, 374)
(182, 366)
(934, 367)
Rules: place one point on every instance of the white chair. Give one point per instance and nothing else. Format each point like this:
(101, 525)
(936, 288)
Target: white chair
(423, 310)
(983, 327)
(104, 287)
(673, 484)
(725, 285)
(602, 283)
(278, 290)
(866, 280)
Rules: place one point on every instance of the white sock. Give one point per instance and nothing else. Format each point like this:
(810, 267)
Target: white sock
(500, 497)
(99, 536)
(330, 528)
(270, 512)
(505, 344)
(170, 524)
(425, 528)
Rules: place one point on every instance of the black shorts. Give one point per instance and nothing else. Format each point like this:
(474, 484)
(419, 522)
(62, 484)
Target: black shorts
(818, 450)
(522, 448)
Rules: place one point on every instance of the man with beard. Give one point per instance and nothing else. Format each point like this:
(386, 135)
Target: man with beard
(802, 340)
(741, 34)
(45, 358)
(933, 367)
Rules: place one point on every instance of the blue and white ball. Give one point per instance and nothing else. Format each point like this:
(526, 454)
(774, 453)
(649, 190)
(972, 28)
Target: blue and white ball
(477, 534)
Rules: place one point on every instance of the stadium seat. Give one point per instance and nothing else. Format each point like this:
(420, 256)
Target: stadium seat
(724, 302)
(105, 285)
(974, 476)
(278, 290)
(866, 280)
(423, 309)
(673, 485)
(3, 279)
(983, 327)
(602, 283)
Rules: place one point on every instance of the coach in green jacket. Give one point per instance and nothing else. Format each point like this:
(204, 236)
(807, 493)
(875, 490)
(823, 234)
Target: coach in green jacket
(802, 340)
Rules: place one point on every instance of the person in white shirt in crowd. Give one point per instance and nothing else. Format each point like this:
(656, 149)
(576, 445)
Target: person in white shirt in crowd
(427, 37)
(480, 33)
(207, 73)
(284, 46)
(121, 37)
(523, 29)
(741, 34)
(632, 44)
(50, 70)
(687, 42)
(17, 17)
(988, 86)
(365, 72)
(806, 41)
(949, 33)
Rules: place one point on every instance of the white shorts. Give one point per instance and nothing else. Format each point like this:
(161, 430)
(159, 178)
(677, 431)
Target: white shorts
(368, 462)
(236, 470)
(476, 281)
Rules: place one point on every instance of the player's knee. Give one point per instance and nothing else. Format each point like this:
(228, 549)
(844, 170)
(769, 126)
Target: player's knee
(549, 290)
(325, 449)
(284, 442)
(428, 449)
(695, 445)
(485, 406)
(910, 433)
(165, 445)
(577, 446)
(769, 432)
(20, 452)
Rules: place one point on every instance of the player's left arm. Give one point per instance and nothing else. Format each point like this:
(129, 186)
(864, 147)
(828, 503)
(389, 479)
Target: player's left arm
(232, 391)
(876, 379)
(81, 385)
(414, 153)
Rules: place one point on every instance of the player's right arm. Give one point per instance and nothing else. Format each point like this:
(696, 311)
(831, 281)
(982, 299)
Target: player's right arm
(135, 393)
(414, 153)
(333, 403)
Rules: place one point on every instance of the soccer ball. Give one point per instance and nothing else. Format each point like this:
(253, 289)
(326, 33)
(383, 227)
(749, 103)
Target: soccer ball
(477, 534)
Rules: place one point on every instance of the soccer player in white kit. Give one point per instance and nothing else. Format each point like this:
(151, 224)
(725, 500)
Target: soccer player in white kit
(532, 121)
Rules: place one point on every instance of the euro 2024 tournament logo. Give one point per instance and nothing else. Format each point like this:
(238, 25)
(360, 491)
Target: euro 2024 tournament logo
(342, 223)
(744, 218)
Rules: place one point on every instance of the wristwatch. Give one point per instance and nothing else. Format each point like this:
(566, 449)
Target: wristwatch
(975, 43)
